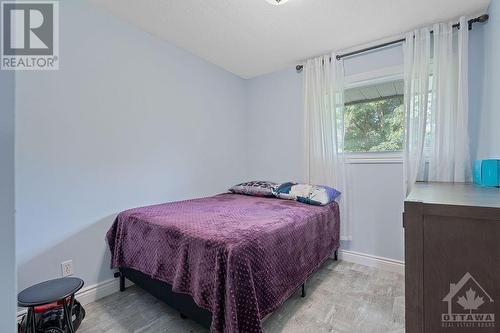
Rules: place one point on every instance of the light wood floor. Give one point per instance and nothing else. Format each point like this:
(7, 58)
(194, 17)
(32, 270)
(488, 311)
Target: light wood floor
(341, 297)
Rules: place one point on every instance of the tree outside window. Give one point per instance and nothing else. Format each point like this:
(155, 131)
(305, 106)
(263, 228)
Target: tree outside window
(374, 118)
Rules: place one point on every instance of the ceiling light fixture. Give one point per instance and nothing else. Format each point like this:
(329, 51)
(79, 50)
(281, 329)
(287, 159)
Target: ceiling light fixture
(276, 2)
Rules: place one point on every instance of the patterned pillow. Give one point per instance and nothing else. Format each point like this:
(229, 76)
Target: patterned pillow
(305, 193)
(255, 188)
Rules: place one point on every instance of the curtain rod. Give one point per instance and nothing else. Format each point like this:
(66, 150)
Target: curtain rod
(480, 19)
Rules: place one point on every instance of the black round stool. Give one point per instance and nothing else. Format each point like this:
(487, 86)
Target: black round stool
(58, 290)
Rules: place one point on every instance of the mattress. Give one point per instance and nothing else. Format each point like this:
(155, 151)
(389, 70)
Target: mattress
(240, 257)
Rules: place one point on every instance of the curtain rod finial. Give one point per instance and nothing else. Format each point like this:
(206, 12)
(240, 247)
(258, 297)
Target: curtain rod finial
(483, 18)
(299, 68)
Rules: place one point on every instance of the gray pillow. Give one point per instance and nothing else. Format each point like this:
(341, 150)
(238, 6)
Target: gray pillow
(255, 188)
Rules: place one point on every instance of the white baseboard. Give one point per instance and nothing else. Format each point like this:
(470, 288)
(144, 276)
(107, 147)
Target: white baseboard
(100, 290)
(92, 293)
(372, 261)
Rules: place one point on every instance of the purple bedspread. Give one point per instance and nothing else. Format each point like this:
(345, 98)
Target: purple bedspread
(238, 256)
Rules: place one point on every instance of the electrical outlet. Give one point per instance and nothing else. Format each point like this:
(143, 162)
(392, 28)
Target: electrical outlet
(67, 268)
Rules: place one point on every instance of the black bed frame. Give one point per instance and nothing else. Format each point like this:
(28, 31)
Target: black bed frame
(183, 303)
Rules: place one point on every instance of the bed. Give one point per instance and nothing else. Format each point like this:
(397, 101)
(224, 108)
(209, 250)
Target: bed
(226, 261)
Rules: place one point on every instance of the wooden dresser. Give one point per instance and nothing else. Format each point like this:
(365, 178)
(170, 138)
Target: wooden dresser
(452, 258)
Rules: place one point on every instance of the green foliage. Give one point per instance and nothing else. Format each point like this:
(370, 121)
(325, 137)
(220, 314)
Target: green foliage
(375, 126)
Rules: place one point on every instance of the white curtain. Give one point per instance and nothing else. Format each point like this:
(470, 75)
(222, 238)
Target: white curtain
(436, 99)
(324, 128)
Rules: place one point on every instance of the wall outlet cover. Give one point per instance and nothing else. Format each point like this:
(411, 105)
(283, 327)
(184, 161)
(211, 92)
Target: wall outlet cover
(67, 268)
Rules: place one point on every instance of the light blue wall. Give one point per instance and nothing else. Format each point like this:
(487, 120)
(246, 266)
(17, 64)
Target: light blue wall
(486, 131)
(275, 134)
(128, 120)
(7, 237)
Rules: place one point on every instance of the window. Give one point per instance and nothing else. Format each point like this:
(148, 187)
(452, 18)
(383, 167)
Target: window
(374, 117)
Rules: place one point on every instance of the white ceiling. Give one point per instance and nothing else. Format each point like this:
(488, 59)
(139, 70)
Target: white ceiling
(252, 37)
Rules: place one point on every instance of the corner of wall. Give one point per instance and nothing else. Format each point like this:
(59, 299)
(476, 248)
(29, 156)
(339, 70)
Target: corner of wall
(7, 206)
